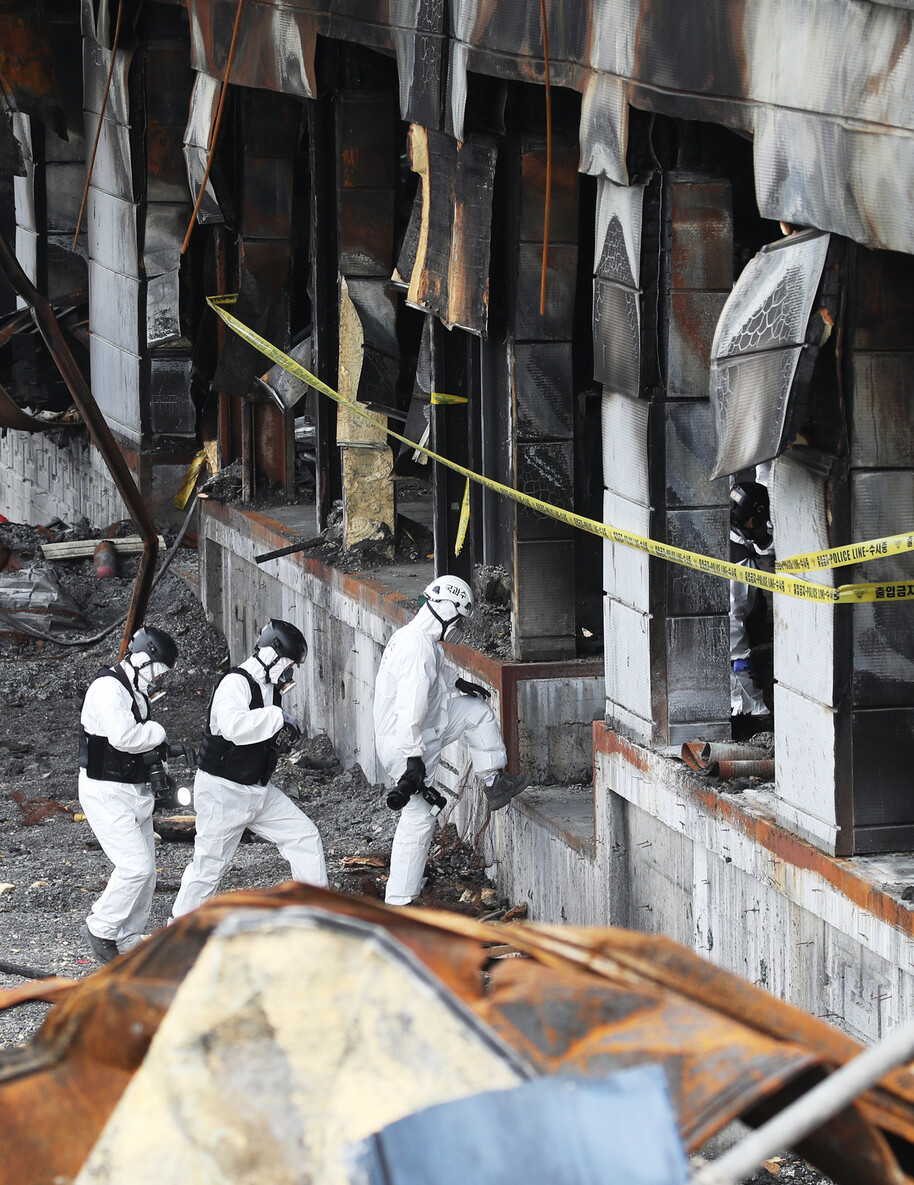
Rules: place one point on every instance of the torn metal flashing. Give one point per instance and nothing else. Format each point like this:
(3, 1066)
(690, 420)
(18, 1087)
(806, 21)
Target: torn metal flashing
(757, 346)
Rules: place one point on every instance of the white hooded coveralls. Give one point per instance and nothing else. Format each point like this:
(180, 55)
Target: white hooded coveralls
(120, 813)
(416, 714)
(225, 808)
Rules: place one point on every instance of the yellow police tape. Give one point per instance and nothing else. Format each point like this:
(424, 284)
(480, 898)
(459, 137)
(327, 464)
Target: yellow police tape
(853, 553)
(789, 586)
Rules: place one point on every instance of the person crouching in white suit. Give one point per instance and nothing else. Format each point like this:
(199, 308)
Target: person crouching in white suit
(115, 734)
(232, 787)
(420, 706)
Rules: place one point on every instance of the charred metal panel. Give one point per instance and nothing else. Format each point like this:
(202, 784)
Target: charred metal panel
(757, 347)
(275, 45)
(561, 277)
(616, 293)
(263, 304)
(883, 655)
(164, 232)
(882, 411)
(884, 306)
(701, 246)
(366, 231)
(375, 305)
(882, 503)
(420, 67)
(171, 409)
(693, 319)
(27, 79)
(883, 760)
(203, 103)
(370, 145)
(169, 81)
(542, 376)
(698, 650)
(616, 337)
(813, 171)
(604, 127)
(707, 533)
(545, 471)
(689, 456)
(446, 252)
(544, 606)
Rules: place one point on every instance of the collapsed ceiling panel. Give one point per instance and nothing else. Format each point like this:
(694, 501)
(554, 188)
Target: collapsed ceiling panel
(757, 345)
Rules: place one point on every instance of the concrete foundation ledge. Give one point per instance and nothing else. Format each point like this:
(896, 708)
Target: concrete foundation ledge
(717, 872)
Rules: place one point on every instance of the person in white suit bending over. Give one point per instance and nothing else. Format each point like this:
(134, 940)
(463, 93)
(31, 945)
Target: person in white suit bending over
(420, 706)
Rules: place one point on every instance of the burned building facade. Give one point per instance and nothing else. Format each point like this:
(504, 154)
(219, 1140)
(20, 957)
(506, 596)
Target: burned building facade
(608, 254)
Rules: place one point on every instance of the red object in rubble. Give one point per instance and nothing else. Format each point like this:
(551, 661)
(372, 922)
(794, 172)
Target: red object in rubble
(105, 560)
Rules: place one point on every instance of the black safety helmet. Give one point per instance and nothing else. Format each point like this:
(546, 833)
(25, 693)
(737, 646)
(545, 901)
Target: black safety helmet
(160, 647)
(749, 500)
(285, 638)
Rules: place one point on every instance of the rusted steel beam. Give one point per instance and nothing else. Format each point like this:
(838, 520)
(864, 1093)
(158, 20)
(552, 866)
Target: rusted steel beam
(99, 431)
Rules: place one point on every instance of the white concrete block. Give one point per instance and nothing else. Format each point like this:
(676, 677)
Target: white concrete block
(805, 766)
(625, 462)
(626, 569)
(626, 635)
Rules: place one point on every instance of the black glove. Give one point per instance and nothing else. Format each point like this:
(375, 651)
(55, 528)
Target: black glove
(466, 688)
(411, 781)
(288, 736)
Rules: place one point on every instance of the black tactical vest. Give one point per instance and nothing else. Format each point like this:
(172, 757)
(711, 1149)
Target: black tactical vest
(99, 758)
(249, 765)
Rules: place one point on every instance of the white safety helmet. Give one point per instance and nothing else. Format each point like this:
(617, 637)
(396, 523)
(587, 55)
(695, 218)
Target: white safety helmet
(450, 599)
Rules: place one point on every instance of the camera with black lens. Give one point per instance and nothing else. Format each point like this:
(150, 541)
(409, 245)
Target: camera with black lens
(167, 793)
(400, 796)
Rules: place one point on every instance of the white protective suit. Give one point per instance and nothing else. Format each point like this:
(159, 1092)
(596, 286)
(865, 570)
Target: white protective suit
(416, 714)
(224, 808)
(120, 813)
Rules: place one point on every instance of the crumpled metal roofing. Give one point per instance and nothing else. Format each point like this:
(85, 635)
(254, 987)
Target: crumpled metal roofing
(584, 1002)
(822, 86)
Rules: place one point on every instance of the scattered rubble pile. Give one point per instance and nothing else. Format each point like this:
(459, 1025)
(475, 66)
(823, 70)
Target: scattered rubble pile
(51, 867)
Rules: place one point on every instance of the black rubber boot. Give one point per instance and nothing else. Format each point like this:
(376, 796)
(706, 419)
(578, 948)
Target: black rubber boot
(104, 949)
(504, 788)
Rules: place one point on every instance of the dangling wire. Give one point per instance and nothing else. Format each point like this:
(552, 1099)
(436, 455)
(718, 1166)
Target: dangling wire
(214, 130)
(548, 158)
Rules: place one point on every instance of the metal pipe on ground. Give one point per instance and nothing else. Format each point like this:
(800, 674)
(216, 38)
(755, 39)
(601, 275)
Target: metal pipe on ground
(101, 435)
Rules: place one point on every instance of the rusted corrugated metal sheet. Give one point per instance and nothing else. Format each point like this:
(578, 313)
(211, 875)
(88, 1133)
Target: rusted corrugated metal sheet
(584, 1002)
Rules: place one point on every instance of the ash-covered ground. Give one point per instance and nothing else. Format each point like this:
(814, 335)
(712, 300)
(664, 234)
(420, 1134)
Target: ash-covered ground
(51, 867)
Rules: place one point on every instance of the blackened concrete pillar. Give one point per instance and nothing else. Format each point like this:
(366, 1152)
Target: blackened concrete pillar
(662, 271)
